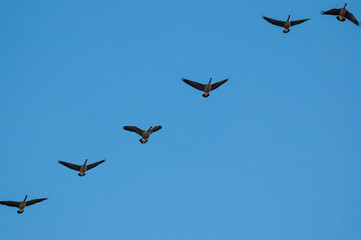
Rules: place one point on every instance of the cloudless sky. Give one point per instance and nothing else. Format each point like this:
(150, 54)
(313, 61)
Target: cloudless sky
(272, 154)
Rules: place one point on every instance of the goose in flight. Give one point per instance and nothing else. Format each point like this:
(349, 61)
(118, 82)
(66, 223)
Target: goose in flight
(342, 14)
(21, 205)
(205, 88)
(81, 168)
(144, 134)
(285, 24)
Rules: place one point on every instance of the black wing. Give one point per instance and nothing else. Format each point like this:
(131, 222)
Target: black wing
(196, 85)
(93, 165)
(217, 84)
(156, 128)
(352, 18)
(334, 11)
(293, 23)
(274, 22)
(70, 165)
(134, 129)
(10, 203)
(31, 202)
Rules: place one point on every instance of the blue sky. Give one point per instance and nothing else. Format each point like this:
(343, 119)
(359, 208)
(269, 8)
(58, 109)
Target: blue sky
(272, 154)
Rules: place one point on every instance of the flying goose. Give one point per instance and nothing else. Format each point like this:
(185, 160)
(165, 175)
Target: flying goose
(145, 134)
(341, 14)
(205, 88)
(21, 205)
(81, 168)
(285, 24)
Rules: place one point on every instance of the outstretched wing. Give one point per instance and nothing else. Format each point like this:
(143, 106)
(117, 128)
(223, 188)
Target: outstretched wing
(10, 203)
(334, 11)
(217, 84)
(93, 165)
(196, 85)
(134, 129)
(293, 23)
(31, 202)
(352, 18)
(274, 22)
(156, 128)
(70, 165)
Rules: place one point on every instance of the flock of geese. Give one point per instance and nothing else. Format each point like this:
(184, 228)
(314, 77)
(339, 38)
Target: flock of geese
(341, 13)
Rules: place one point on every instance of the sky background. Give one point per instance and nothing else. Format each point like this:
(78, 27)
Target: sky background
(272, 154)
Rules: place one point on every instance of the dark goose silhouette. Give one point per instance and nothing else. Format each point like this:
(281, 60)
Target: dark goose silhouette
(285, 24)
(342, 14)
(205, 88)
(21, 205)
(81, 168)
(143, 133)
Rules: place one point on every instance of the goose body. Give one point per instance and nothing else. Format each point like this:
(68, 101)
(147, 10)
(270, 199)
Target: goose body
(205, 88)
(81, 168)
(21, 205)
(285, 24)
(145, 134)
(342, 14)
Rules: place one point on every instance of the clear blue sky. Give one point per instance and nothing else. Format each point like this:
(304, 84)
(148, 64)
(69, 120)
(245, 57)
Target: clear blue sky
(272, 154)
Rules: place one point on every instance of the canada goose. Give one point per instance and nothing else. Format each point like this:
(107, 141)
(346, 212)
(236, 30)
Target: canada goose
(205, 88)
(21, 205)
(341, 14)
(81, 168)
(145, 134)
(285, 24)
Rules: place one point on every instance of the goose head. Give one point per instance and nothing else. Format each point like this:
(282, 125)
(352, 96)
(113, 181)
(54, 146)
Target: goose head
(210, 80)
(288, 17)
(26, 196)
(150, 128)
(345, 5)
(85, 161)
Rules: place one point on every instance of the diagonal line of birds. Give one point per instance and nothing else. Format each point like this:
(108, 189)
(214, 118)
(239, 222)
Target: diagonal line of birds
(341, 15)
